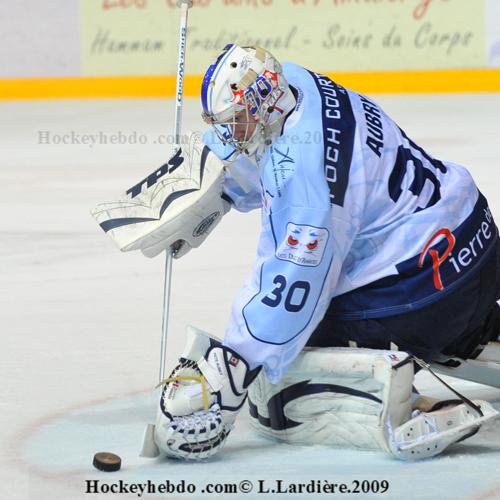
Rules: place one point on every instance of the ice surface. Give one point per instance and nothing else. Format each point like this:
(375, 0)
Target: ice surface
(81, 322)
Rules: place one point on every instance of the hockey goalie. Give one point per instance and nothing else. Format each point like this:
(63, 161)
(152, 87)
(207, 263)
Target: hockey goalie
(375, 259)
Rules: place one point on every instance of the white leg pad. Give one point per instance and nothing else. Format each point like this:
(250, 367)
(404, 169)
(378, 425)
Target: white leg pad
(357, 398)
(335, 396)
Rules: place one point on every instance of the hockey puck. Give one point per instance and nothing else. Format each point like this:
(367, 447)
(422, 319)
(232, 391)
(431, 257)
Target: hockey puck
(107, 462)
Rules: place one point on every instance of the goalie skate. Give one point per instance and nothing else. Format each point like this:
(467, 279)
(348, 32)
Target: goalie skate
(428, 434)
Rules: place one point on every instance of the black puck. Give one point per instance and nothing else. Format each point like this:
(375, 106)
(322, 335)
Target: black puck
(107, 462)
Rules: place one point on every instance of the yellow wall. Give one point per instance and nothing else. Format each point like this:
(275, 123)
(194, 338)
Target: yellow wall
(128, 48)
(475, 80)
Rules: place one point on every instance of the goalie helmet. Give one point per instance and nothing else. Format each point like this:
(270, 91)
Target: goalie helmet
(246, 98)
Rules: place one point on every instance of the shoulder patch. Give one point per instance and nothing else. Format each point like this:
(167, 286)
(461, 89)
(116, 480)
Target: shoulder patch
(303, 245)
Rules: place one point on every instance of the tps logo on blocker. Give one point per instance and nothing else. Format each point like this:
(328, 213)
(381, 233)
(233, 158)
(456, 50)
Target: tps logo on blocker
(303, 245)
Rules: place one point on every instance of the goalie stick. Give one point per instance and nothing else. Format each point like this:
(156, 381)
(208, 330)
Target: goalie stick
(149, 448)
(184, 6)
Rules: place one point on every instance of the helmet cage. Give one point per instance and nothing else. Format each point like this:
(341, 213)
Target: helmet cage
(242, 124)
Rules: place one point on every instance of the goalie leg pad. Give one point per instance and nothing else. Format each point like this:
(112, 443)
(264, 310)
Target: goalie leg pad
(335, 396)
(359, 398)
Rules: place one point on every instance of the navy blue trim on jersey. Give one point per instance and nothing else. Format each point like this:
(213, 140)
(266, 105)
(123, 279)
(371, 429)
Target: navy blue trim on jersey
(415, 287)
(339, 127)
(228, 156)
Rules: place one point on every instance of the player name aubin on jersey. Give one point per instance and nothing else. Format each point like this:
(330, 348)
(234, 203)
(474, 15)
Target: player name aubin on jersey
(375, 138)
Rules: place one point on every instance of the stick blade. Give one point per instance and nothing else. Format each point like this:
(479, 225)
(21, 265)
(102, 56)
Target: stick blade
(149, 448)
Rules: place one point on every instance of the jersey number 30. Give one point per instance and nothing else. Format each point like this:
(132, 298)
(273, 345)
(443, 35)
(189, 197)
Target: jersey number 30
(295, 296)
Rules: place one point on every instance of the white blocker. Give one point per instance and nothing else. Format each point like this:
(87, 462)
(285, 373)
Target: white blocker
(177, 205)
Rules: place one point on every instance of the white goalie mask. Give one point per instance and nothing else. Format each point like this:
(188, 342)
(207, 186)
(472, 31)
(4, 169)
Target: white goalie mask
(246, 98)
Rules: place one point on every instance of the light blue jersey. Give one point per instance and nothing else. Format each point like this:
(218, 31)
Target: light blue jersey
(356, 219)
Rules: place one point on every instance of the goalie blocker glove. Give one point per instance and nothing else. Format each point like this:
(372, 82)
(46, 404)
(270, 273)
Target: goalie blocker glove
(201, 398)
(177, 205)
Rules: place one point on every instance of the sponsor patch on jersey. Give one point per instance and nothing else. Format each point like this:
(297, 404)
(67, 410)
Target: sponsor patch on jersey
(303, 245)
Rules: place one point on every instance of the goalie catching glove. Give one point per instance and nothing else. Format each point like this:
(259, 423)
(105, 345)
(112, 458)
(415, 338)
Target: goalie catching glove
(201, 398)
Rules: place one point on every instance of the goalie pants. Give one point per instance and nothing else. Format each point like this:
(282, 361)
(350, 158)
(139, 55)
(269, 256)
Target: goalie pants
(453, 326)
